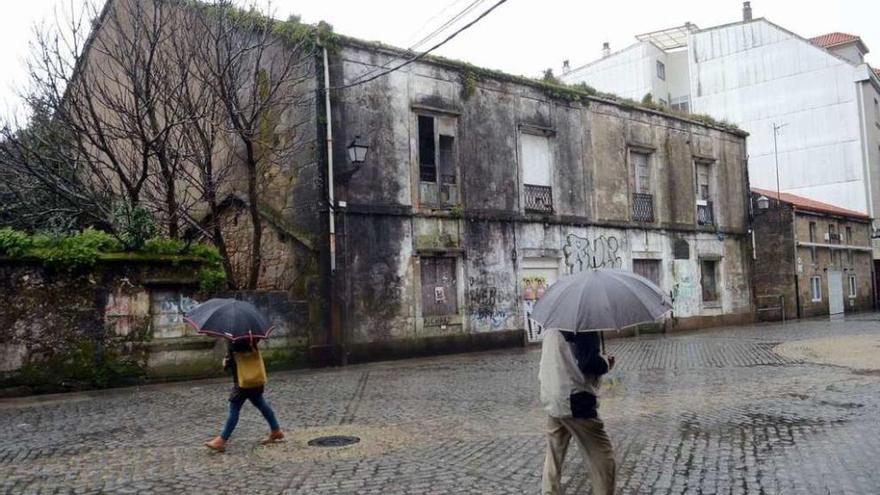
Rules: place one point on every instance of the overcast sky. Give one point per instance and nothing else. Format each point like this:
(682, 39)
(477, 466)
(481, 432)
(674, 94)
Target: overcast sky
(521, 37)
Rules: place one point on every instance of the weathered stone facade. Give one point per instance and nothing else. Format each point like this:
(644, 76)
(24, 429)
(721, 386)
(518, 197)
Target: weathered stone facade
(456, 247)
(817, 262)
(66, 328)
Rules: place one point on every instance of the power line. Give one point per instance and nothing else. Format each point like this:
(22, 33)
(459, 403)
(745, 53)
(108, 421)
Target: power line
(431, 19)
(425, 39)
(426, 52)
(448, 23)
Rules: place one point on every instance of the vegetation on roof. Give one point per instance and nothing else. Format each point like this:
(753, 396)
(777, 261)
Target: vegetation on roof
(471, 75)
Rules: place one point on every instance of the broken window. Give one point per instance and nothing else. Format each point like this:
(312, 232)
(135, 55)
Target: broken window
(439, 286)
(427, 156)
(536, 160)
(438, 173)
(709, 280)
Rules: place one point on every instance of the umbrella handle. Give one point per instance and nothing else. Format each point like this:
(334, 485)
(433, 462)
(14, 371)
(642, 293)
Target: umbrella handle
(602, 339)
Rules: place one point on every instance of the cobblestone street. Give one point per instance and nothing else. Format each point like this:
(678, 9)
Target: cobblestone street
(710, 412)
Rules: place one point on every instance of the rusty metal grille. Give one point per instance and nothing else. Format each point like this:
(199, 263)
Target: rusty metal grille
(643, 207)
(705, 214)
(539, 198)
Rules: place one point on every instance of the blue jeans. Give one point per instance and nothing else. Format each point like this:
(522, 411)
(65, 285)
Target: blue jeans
(235, 409)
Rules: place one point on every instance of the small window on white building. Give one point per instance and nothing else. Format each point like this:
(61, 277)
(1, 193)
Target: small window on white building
(876, 110)
(661, 71)
(536, 164)
(816, 288)
(853, 289)
(681, 103)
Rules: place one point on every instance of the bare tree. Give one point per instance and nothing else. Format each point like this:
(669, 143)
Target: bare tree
(260, 71)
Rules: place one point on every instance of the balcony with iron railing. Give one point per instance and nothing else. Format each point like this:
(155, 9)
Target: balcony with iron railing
(643, 207)
(705, 214)
(538, 199)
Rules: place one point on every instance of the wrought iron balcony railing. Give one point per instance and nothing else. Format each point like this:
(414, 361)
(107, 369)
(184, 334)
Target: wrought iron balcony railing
(705, 214)
(539, 198)
(643, 207)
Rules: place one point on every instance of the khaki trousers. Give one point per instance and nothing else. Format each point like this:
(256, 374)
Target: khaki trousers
(594, 445)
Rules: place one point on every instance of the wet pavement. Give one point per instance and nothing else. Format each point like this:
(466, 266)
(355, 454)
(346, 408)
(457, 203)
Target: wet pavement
(710, 412)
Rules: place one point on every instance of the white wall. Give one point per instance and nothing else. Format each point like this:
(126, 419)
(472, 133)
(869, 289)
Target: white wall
(678, 74)
(755, 74)
(629, 73)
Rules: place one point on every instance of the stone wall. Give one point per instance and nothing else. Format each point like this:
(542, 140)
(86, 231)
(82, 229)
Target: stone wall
(120, 322)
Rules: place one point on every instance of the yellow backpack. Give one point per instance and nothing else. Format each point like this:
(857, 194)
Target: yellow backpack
(250, 369)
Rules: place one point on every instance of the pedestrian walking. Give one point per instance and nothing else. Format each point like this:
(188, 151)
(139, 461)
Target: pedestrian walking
(243, 359)
(573, 362)
(243, 326)
(572, 315)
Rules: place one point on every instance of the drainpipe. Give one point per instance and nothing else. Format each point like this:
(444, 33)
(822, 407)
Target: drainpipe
(797, 285)
(331, 202)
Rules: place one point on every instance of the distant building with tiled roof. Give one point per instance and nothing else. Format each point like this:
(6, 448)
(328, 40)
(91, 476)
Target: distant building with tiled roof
(818, 97)
(808, 204)
(810, 258)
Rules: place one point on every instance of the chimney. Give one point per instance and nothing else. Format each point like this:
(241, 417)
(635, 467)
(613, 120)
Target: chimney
(747, 11)
(606, 49)
(566, 67)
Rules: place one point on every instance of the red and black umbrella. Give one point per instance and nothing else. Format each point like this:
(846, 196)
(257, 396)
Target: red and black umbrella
(230, 319)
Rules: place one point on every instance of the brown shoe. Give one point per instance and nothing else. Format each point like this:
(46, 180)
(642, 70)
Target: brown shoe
(273, 437)
(217, 444)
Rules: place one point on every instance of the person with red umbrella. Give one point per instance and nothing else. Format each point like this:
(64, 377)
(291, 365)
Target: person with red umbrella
(243, 326)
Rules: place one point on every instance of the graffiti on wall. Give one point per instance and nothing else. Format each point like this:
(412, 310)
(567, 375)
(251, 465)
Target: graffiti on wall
(483, 301)
(600, 252)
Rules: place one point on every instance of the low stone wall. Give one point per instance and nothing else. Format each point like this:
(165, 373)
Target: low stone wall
(120, 322)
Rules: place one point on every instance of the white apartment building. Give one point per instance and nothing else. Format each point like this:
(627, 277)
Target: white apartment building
(819, 94)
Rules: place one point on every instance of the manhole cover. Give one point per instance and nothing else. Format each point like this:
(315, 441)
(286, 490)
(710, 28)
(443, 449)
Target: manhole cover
(333, 441)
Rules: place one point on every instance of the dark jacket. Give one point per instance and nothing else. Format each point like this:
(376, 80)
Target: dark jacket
(587, 352)
(239, 394)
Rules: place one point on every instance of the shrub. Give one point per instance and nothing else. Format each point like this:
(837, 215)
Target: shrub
(13, 243)
(133, 225)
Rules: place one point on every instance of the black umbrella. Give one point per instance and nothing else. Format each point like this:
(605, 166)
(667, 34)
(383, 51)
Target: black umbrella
(229, 318)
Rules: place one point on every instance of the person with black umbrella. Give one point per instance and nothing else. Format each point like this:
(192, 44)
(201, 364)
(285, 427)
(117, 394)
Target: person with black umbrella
(243, 325)
(572, 315)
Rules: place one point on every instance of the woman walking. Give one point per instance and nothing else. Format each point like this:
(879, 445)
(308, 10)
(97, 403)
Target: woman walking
(243, 359)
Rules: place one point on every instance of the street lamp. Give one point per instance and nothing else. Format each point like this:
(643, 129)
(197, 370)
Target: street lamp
(357, 151)
(357, 154)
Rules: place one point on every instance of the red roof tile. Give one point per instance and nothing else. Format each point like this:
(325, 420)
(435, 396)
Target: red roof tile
(834, 39)
(808, 204)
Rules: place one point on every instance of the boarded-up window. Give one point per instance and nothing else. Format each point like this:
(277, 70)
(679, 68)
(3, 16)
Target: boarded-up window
(709, 280)
(650, 269)
(439, 286)
(642, 171)
(536, 159)
(703, 192)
